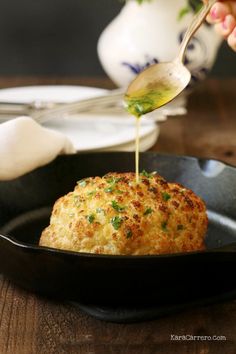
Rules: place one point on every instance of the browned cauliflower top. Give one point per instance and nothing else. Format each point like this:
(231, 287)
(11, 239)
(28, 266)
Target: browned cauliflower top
(115, 215)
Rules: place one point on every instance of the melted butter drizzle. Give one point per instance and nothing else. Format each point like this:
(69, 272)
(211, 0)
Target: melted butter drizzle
(137, 144)
(141, 103)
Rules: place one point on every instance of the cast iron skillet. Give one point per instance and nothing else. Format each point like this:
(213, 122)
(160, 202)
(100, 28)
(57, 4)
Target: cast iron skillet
(25, 205)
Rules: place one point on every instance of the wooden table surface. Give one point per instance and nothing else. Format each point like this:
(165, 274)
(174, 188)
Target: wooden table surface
(31, 324)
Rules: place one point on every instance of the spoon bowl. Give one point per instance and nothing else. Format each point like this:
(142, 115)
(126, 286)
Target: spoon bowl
(156, 86)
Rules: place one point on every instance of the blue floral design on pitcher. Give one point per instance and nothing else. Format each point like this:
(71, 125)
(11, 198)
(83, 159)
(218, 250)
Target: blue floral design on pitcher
(198, 71)
(136, 68)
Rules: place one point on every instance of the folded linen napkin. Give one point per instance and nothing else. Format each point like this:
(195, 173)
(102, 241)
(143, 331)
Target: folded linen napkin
(26, 145)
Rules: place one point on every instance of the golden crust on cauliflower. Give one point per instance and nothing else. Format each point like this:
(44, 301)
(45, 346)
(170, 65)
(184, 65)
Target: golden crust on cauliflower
(115, 215)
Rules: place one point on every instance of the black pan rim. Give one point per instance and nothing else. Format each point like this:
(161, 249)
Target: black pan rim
(160, 154)
(25, 246)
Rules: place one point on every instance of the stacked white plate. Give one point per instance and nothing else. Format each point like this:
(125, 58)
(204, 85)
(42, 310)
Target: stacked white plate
(90, 131)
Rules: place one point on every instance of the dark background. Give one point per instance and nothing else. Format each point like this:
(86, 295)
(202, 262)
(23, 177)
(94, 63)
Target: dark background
(59, 37)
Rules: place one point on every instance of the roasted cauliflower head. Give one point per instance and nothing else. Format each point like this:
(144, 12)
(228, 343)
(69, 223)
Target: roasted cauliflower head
(115, 215)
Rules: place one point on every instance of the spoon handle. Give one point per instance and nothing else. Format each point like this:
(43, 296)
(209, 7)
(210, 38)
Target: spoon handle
(195, 24)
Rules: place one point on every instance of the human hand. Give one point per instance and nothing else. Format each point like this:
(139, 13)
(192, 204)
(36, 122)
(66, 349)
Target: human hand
(223, 16)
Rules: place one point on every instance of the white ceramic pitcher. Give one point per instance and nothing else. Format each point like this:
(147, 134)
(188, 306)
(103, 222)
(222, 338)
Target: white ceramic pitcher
(143, 34)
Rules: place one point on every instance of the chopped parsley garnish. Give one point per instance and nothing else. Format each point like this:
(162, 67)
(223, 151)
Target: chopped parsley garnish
(164, 225)
(128, 233)
(99, 210)
(139, 105)
(119, 191)
(166, 196)
(114, 180)
(146, 174)
(116, 222)
(82, 183)
(76, 200)
(148, 211)
(91, 218)
(109, 189)
(116, 206)
(91, 193)
(180, 227)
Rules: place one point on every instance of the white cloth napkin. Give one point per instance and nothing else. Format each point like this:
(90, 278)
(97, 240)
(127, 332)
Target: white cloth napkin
(26, 145)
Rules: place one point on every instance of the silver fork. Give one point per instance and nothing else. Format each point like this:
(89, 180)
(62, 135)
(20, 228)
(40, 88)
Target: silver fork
(106, 105)
(43, 111)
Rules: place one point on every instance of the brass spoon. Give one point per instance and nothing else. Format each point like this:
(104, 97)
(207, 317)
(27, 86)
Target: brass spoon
(161, 83)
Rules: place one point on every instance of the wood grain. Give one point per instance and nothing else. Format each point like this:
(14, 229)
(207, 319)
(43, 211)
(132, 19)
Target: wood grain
(209, 128)
(30, 324)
